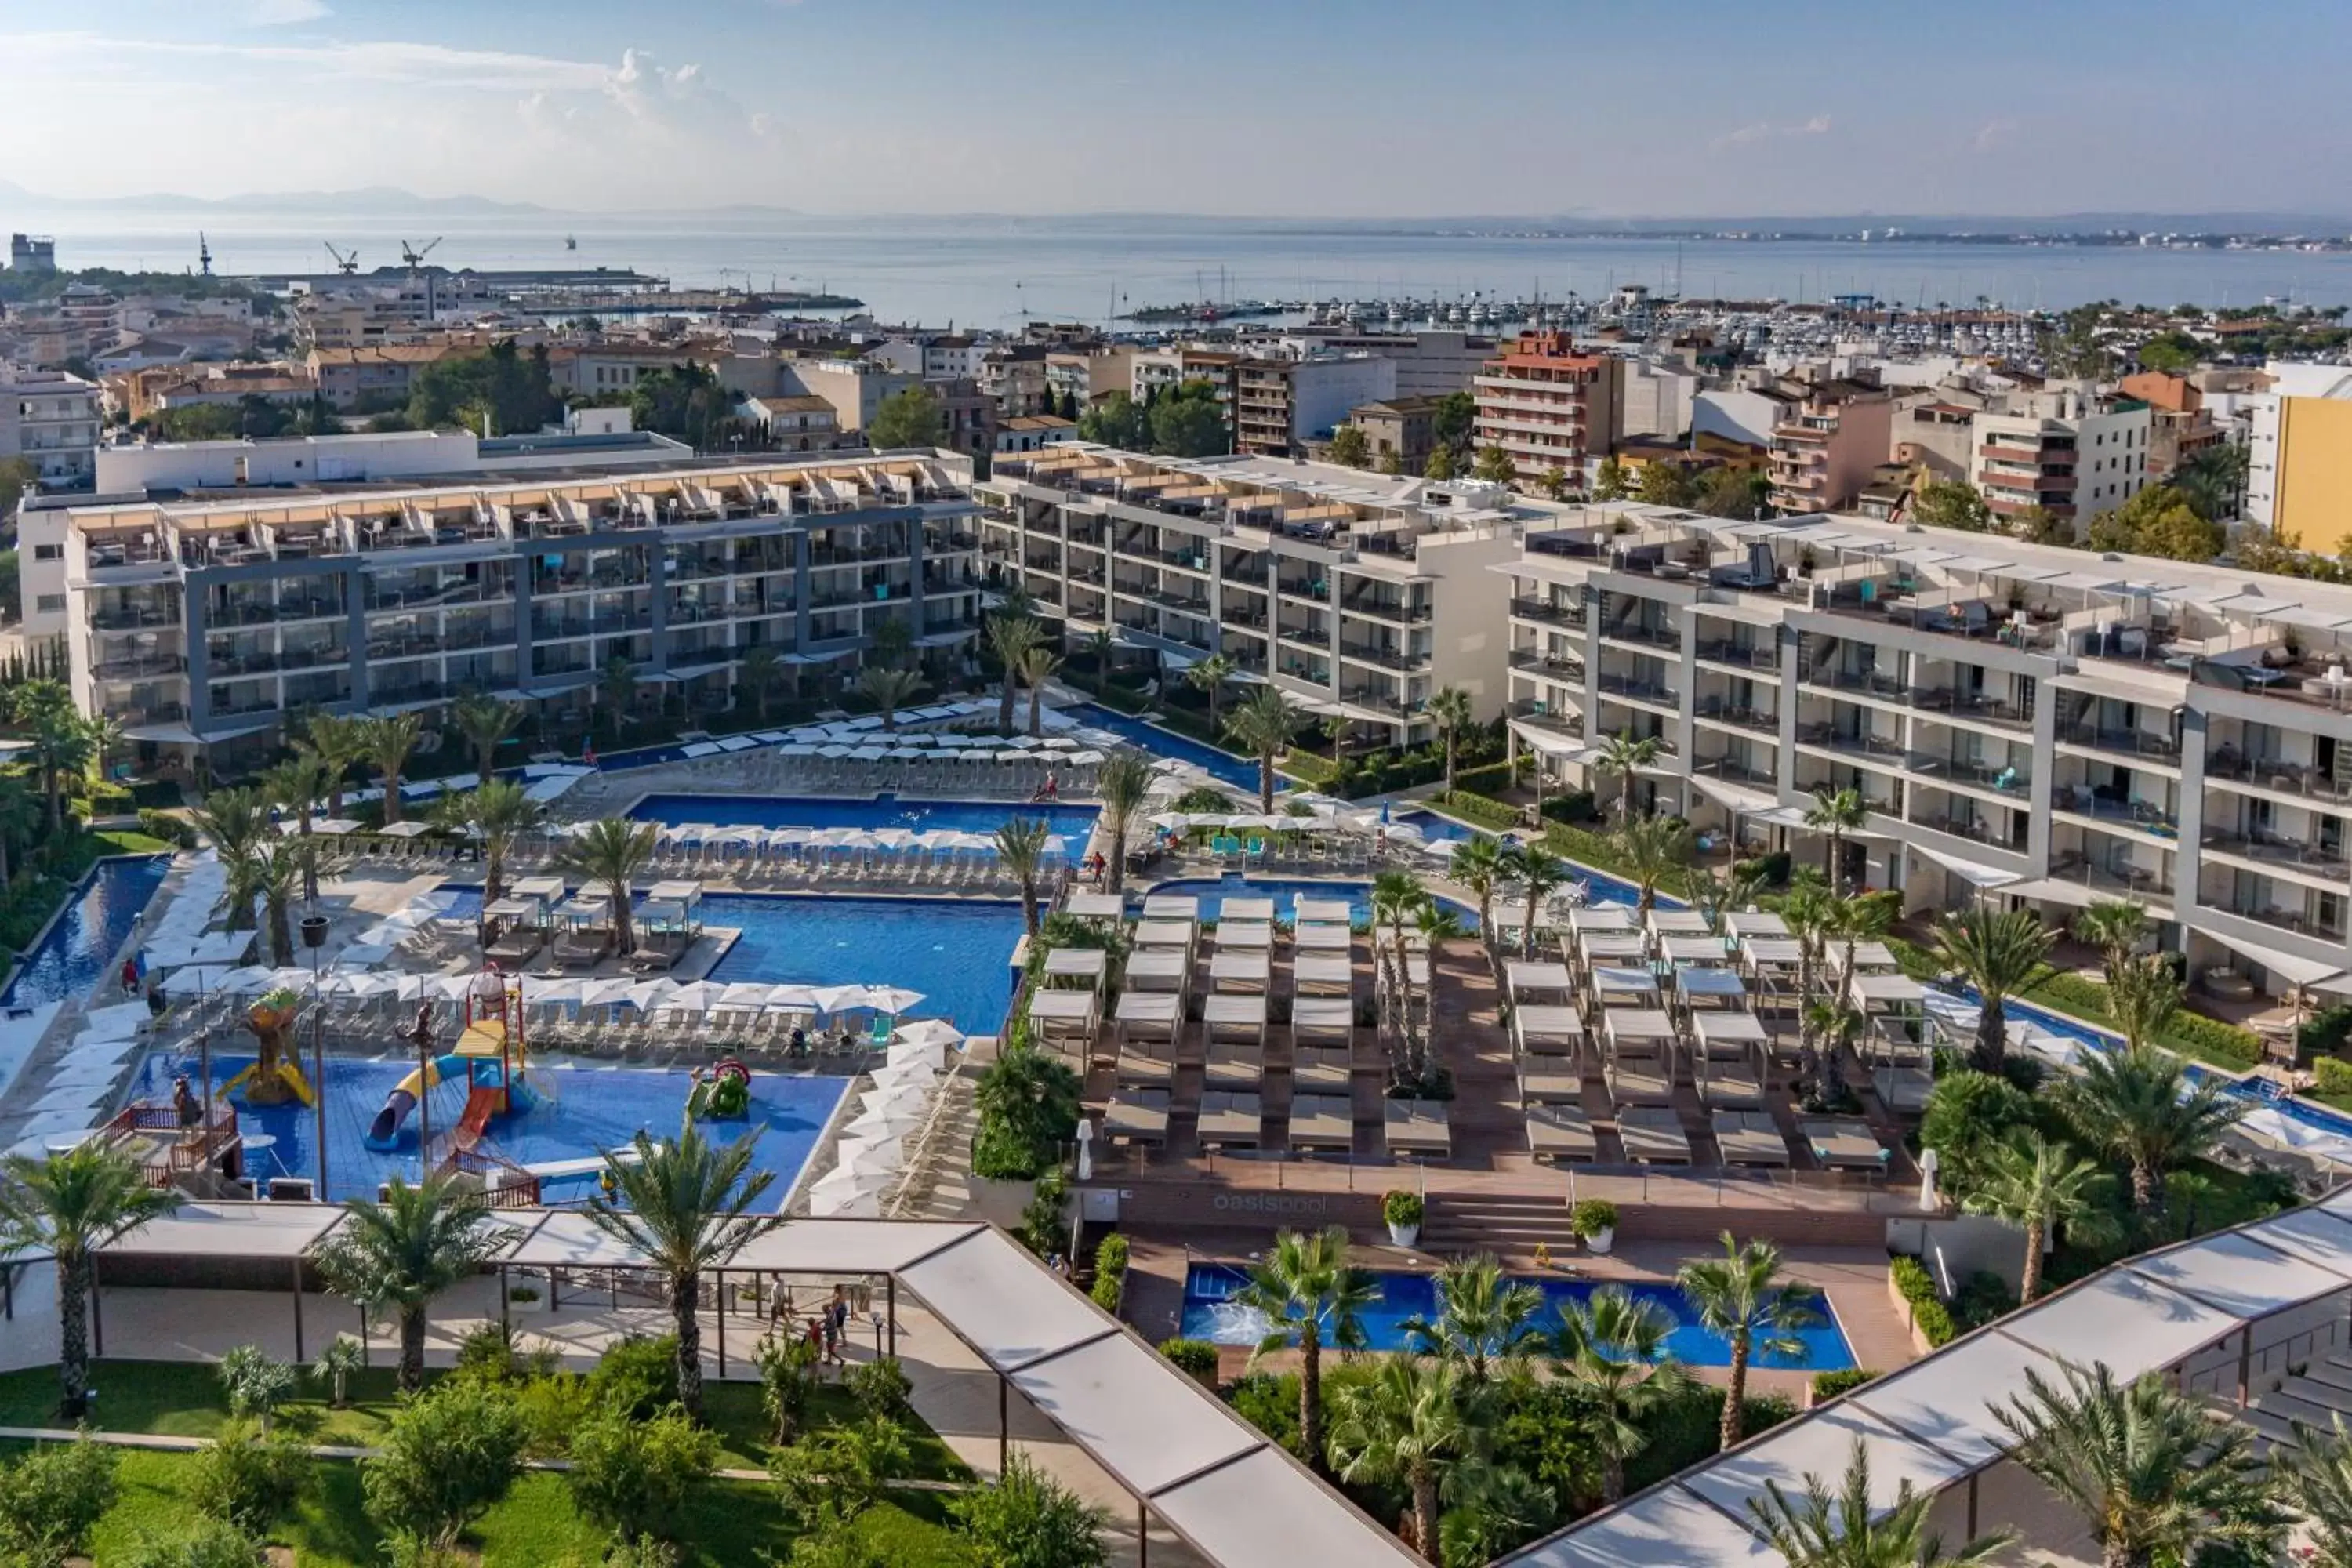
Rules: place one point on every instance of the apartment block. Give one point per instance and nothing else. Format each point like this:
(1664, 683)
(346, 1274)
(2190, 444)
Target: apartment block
(2179, 424)
(2071, 455)
(200, 621)
(1280, 405)
(1550, 407)
(51, 422)
(1828, 443)
(1401, 428)
(1428, 365)
(2026, 724)
(1354, 593)
(2299, 453)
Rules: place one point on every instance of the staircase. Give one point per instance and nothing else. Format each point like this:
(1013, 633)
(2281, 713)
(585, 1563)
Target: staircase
(2321, 1391)
(1509, 1226)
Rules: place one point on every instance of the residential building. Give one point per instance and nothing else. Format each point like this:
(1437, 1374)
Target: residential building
(2065, 451)
(2024, 723)
(1013, 375)
(1154, 370)
(2299, 453)
(1354, 593)
(1428, 365)
(377, 376)
(145, 392)
(2179, 425)
(1281, 405)
(1830, 439)
(856, 387)
(1933, 433)
(200, 620)
(803, 423)
(1548, 405)
(1656, 399)
(51, 422)
(1085, 376)
(32, 253)
(1027, 432)
(1404, 428)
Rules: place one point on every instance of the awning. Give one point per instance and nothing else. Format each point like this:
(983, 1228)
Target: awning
(1748, 615)
(1743, 798)
(2057, 890)
(2118, 690)
(1550, 742)
(1794, 817)
(1979, 874)
(2287, 966)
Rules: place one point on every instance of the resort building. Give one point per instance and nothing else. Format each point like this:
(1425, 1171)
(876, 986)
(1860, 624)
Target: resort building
(1399, 429)
(1548, 406)
(1355, 593)
(2026, 722)
(201, 619)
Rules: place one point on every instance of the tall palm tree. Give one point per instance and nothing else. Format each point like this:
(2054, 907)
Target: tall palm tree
(44, 709)
(235, 821)
(1742, 1297)
(1451, 711)
(1654, 849)
(1210, 676)
(105, 734)
(2116, 928)
(757, 674)
(891, 640)
(296, 783)
(1407, 1424)
(1009, 638)
(20, 814)
(339, 742)
(1262, 727)
(1020, 850)
(2002, 953)
(386, 741)
(500, 813)
(616, 691)
(279, 873)
(610, 854)
(485, 722)
(2155, 1478)
(1836, 813)
(1716, 892)
(1479, 863)
(1311, 1297)
(2212, 479)
(1397, 899)
(1485, 1322)
(1622, 756)
(1537, 871)
(1334, 728)
(1122, 784)
(1808, 911)
(1037, 667)
(1847, 1530)
(398, 1253)
(2143, 996)
(888, 689)
(2316, 1476)
(70, 1205)
(1610, 1350)
(1852, 921)
(2138, 1105)
(2038, 1185)
(684, 1206)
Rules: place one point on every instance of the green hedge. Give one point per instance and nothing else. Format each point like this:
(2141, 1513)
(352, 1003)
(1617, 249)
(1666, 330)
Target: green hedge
(1308, 769)
(2334, 1075)
(1830, 1384)
(1928, 1313)
(1110, 1271)
(1121, 699)
(1482, 811)
(1594, 849)
(1198, 1357)
(2192, 1034)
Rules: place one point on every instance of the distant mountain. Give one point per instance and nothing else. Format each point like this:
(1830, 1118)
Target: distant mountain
(371, 201)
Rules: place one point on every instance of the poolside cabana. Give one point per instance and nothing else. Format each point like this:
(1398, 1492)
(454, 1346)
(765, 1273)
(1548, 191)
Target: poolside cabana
(1639, 1063)
(1705, 988)
(1530, 981)
(1231, 1119)
(1064, 1015)
(1323, 937)
(1413, 1127)
(1239, 936)
(1163, 969)
(1893, 1010)
(1664, 922)
(1546, 1029)
(1620, 985)
(1238, 1018)
(1305, 911)
(1177, 936)
(1172, 907)
(1868, 958)
(1077, 969)
(1728, 1055)
(1244, 911)
(1622, 948)
(1137, 1116)
(1244, 970)
(1323, 1021)
(1097, 907)
(1694, 951)
(1750, 923)
(1322, 974)
(1152, 1018)
(1322, 1123)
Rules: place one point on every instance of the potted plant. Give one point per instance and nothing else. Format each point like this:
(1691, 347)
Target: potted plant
(1402, 1212)
(1594, 1220)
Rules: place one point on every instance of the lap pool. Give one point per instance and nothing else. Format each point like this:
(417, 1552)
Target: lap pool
(876, 811)
(1285, 892)
(83, 942)
(1211, 1314)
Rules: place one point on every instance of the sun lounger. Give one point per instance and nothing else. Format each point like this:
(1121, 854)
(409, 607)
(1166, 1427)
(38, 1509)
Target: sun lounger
(1323, 939)
(1750, 1138)
(1544, 1084)
(1246, 911)
(1904, 1090)
(1639, 1082)
(1321, 911)
(1247, 936)
(1417, 1127)
(1321, 1071)
(1844, 1145)
(1318, 974)
(1653, 1135)
(1233, 1067)
(1137, 1116)
(1231, 1121)
(1322, 1121)
(1145, 1065)
(1165, 934)
(1558, 1133)
(1730, 1084)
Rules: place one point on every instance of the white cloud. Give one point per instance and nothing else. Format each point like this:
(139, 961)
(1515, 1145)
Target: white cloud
(1765, 131)
(1992, 134)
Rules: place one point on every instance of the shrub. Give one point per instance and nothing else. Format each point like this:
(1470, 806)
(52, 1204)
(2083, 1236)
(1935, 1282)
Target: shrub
(446, 1457)
(2334, 1075)
(1773, 867)
(637, 1478)
(1576, 807)
(1401, 1208)
(553, 1405)
(1481, 810)
(2191, 1032)
(1590, 1216)
(1269, 1402)
(2324, 1030)
(256, 1385)
(638, 1375)
(1110, 1271)
(51, 1499)
(1830, 1384)
(881, 1388)
(1203, 798)
(838, 1472)
(248, 1480)
(1028, 1520)
(488, 1352)
(1042, 1229)
(170, 829)
(787, 1364)
(1928, 1313)
(1967, 1111)
(1198, 1357)
(199, 1544)
(1985, 1296)
(1683, 1430)
(1028, 1105)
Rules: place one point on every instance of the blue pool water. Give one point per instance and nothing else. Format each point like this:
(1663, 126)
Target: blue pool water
(1209, 1315)
(881, 811)
(1435, 827)
(82, 943)
(581, 1111)
(1286, 892)
(1223, 766)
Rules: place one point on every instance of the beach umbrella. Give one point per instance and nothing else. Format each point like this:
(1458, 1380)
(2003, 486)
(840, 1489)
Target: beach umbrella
(908, 1071)
(926, 1032)
(892, 998)
(562, 991)
(932, 1057)
(195, 980)
(867, 1156)
(605, 992)
(646, 996)
(698, 995)
(792, 996)
(895, 1120)
(851, 1196)
(252, 980)
(746, 993)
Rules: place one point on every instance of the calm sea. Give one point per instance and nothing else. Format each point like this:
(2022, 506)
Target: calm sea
(989, 272)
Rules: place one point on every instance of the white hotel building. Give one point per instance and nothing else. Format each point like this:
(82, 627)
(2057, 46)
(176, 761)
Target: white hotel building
(2026, 722)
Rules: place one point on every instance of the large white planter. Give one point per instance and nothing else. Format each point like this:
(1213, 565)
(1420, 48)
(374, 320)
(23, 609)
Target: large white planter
(1600, 1241)
(1404, 1235)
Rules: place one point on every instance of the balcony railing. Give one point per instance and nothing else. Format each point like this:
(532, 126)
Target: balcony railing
(2279, 775)
(2109, 877)
(2272, 850)
(2140, 814)
(1550, 613)
(1647, 635)
(1543, 664)
(2126, 742)
(1976, 829)
(1386, 658)
(1744, 654)
(1762, 721)
(1989, 709)
(1638, 690)
(1828, 739)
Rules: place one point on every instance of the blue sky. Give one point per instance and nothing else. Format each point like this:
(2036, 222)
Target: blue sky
(1368, 108)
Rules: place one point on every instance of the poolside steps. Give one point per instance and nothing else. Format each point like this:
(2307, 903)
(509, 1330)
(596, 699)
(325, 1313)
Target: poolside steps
(1497, 1222)
(2314, 1397)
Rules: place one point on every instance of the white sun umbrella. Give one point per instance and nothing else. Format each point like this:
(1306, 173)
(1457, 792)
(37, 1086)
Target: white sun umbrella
(932, 1055)
(894, 1118)
(917, 1072)
(251, 979)
(892, 998)
(698, 995)
(893, 1096)
(925, 1032)
(746, 993)
(798, 997)
(564, 991)
(855, 1198)
(867, 1156)
(646, 996)
(440, 902)
(195, 980)
(838, 998)
(605, 992)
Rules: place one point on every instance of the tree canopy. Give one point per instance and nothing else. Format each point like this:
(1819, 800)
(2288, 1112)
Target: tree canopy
(684, 402)
(1951, 503)
(2159, 521)
(909, 418)
(514, 389)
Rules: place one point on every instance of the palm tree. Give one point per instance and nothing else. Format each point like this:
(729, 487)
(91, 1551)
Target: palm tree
(1020, 850)
(1715, 891)
(2211, 479)
(397, 1253)
(71, 1205)
(1480, 865)
(2138, 1105)
(2143, 996)
(1836, 813)
(500, 813)
(756, 675)
(1622, 756)
(1009, 638)
(888, 689)
(277, 872)
(2155, 1478)
(616, 691)
(610, 854)
(1485, 1322)
(685, 1207)
(237, 823)
(1849, 1530)
(338, 741)
(1406, 1423)
(20, 814)
(2316, 1477)
(1397, 897)
(1123, 781)
(1037, 667)
(1654, 848)
(1100, 650)
(2039, 1186)
(1310, 1297)
(1334, 729)
(1262, 727)
(387, 739)
(45, 709)
(1209, 675)
(1450, 710)
(104, 732)
(2002, 953)
(296, 783)
(1611, 1351)
(892, 641)
(485, 722)
(1742, 1297)
(1537, 871)
(2115, 928)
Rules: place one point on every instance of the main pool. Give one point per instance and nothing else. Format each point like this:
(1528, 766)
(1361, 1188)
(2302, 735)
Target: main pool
(877, 811)
(1286, 892)
(1210, 1313)
(85, 938)
(582, 1112)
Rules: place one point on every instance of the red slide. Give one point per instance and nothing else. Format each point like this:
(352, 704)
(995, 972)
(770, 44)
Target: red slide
(479, 1103)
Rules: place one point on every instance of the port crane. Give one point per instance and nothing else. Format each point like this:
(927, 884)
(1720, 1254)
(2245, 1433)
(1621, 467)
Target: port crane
(345, 264)
(204, 254)
(416, 257)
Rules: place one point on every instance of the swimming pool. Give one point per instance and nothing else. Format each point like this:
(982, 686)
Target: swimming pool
(1210, 1314)
(582, 1110)
(1239, 773)
(1074, 822)
(1286, 892)
(82, 943)
(1435, 827)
